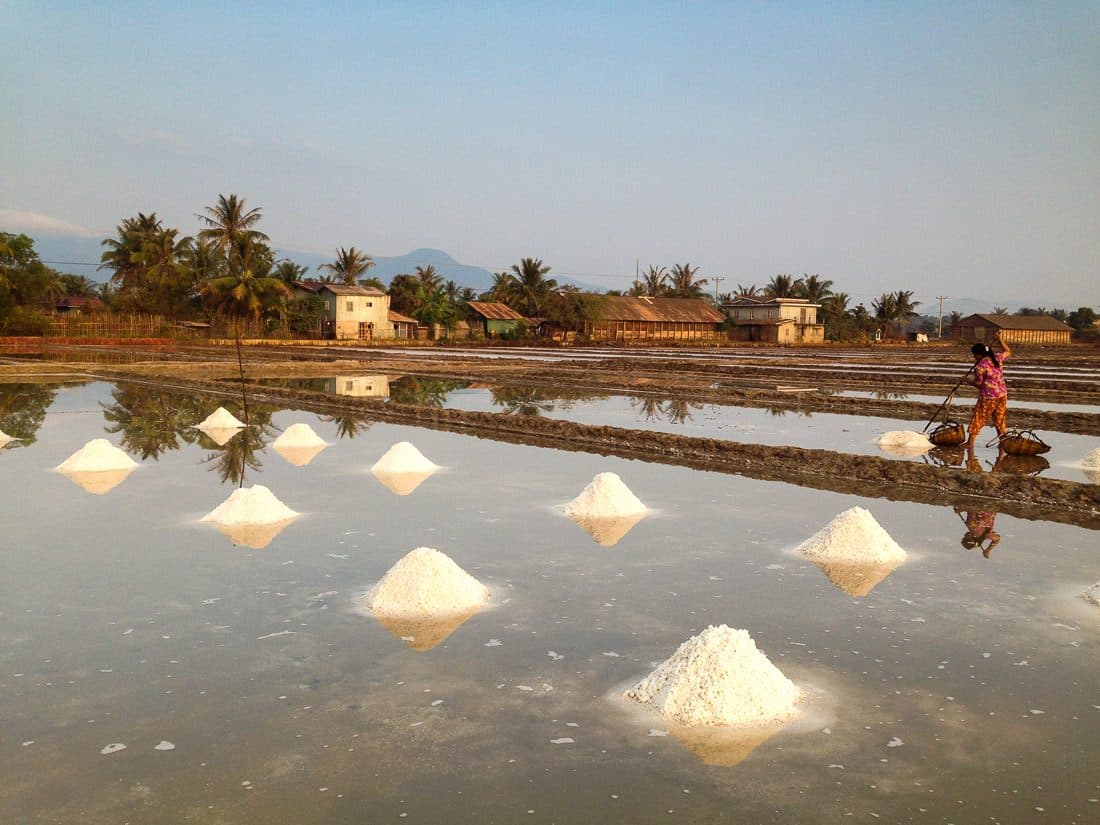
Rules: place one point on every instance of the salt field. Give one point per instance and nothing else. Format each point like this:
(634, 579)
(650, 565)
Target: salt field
(154, 670)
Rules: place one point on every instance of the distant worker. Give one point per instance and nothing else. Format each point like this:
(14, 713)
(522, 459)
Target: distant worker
(988, 377)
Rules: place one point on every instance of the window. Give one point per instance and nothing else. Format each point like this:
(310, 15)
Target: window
(370, 303)
(349, 386)
(351, 306)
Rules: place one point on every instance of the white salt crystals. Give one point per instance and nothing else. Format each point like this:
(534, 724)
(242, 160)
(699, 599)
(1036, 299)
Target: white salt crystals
(904, 443)
(606, 509)
(97, 455)
(1092, 460)
(718, 677)
(1092, 595)
(220, 419)
(252, 516)
(99, 466)
(5, 439)
(424, 598)
(853, 551)
(299, 444)
(403, 468)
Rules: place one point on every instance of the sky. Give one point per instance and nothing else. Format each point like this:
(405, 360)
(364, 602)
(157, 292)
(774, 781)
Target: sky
(946, 148)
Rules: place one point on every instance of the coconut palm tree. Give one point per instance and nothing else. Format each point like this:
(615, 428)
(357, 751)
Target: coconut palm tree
(683, 283)
(749, 291)
(655, 281)
(349, 265)
(288, 272)
(167, 275)
(886, 310)
(428, 278)
(232, 229)
(783, 286)
(814, 288)
(504, 288)
(834, 312)
(532, 286)
(121, 253)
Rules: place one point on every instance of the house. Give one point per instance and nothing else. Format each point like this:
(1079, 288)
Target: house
(624, 318)
(495, 318)
(350, 311)
(775, 320)
(80, 303)
(402, 325)
(1024, 329)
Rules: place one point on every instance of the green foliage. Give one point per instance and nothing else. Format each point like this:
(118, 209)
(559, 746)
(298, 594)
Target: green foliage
(304, 315)
(531, 287)
(23, 409)
(404, 294)
(683, 283)
(574, 310)
(350, 263)
(1082, 318)
(783, 286)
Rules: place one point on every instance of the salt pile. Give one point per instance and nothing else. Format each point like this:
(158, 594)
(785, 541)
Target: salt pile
(5, 439)
(299, 444)
(853, 551)
(100, 482)
(607, 531)
(718, 677)
(252, 516)
(1092, 460)
(220, 419)
(904, 443)
(1092, 594)
(606, 496)
(403, 468)
(98, 455)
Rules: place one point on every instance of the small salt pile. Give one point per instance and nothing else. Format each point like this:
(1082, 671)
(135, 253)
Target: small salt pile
(904, 443)
(252, 516)
(718, 677)
(299, 444)
(606, 496)
(425, 597)
(5, 439)
(220, 419)
(98, 455)
(403, 468)
(1092, 595)
(853, 551)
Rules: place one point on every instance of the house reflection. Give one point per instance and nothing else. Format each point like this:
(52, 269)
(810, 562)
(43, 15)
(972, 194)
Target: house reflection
(359, 386)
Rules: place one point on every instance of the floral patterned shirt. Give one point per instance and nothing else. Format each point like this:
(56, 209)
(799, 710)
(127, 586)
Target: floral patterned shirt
(989, 378)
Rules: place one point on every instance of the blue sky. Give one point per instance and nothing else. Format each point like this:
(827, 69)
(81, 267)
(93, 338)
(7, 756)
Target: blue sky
(946, 148)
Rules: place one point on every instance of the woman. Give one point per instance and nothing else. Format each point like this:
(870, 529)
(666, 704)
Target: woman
(988, 377)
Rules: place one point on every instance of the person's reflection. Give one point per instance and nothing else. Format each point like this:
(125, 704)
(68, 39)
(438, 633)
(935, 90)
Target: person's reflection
(980, 532)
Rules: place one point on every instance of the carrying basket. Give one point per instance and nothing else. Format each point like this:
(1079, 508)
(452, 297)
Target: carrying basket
(948, 434)
(1020, 442)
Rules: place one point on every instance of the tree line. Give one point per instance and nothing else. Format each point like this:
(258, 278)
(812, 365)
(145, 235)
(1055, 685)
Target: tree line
(229, 268)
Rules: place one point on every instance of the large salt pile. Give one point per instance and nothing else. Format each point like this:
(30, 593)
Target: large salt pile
(252, 516)
(853, 551)
(425, 597)
(98, 455)
(220, 419)
(403, 468)
(299, 444)
(718, 677)
(606, 496)
(904, 443)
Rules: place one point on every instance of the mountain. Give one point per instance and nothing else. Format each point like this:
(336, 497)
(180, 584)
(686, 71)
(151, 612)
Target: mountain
(385, 268)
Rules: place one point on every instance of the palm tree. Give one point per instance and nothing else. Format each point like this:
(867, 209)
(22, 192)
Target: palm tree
(436, 308)
(783, 286)
(905, 306)
(121, 253)
(504, 288)
(232, 229)
(750, 291)
(288, 272)
(166, 272)
(205, 260)
(886, 309)
(814, 288)
(428, 278)
(532, 285)
(350, 264)
(655, 281)
(682, 281)
(834, 311)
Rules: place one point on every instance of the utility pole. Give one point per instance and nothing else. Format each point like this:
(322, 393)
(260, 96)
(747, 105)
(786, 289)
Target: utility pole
(941, 299)
(717, 278)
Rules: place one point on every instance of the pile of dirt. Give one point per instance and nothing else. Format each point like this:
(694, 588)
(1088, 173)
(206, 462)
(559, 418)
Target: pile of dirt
(98, 455)
(718, 677)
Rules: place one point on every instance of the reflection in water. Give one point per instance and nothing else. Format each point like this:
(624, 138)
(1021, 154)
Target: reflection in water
(424, 633)
(535, 400)
(23, 409)
(946, 456)
(423, 392)
(99, 482)
(299, 456)
(721, 746)
(1020, 465)
(402, 484)
(151, 420)
(359, 386)
(979, 530)
(241, 452)
(673, 410)
(607, 531)
(779, 412)
(856, 578)
(256, 536)
(348, 424)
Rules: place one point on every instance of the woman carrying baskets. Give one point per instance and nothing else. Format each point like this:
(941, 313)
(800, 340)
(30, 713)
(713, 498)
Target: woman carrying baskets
(988, 377)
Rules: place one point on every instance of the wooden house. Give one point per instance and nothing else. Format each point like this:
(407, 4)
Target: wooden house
(350, 311)
(495, 318)
(1023, 329)
(775, 320)
(625, 318)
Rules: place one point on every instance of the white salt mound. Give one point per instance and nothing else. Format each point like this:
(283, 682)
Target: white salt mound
(5, 438)
(250, 505)
(299, 435)
(403, 457)
(1092, 460)
(97, 455)
(220, 419)
(718, 678)
(903, 438)
(852, 536)
(426, 583)
(1092, 594)
(606, 496)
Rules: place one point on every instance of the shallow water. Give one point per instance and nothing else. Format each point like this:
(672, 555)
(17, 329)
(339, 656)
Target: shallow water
(122, 620)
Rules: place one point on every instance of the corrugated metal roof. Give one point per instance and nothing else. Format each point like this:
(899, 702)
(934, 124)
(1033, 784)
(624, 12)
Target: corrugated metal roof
(494, 311)
(338, 289)
(1019, 321)
(397, 317)
(678, 310)
(749, 301)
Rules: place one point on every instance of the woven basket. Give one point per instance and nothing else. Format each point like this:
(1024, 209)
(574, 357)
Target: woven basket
(1015, 442)
(948, 434)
